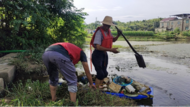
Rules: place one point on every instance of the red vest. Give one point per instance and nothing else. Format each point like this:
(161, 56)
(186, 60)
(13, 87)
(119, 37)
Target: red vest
(106, 42)
(73, 50)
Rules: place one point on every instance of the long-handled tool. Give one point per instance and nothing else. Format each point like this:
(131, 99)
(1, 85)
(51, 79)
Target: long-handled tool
(139, 57)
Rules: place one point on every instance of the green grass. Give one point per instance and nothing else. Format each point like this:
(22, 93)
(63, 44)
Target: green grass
(132, 38)
(36, 93)
(139, 38)
(135, 33)
(88, 39)
(117, 46)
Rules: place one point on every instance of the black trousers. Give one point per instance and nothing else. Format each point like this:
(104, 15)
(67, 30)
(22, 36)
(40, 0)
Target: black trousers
(100, 62)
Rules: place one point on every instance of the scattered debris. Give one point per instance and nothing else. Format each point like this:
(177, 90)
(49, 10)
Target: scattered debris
(118, 84)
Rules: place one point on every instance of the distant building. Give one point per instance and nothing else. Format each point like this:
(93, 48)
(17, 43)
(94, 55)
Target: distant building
(90, 31)
(180, 21)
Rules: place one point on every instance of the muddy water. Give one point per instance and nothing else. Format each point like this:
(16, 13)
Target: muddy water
(167, 71)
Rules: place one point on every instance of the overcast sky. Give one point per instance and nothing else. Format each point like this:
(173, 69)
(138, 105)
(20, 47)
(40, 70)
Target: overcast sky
(130, 10)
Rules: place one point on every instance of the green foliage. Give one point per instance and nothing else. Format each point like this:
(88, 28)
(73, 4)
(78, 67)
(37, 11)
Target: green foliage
(3, 102)
(167, 35)
(144, 25)
(29, 94)
(88, 39)
(18, 32)
(33, 55)
(95, 97)
(177, 31)
(32, 23)
(34, 93)
(135, 33)
(186, 33)
(33, 61)
(93, 25)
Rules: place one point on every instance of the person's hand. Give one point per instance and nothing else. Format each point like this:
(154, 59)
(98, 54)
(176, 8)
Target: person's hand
(114, 50)
(92, 86)
(119, 32)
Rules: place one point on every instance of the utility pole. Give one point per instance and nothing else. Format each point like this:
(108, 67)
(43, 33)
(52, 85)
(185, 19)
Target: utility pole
(96, 24)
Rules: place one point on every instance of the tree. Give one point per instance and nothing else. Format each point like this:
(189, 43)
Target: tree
(26, 24)
(145, 25)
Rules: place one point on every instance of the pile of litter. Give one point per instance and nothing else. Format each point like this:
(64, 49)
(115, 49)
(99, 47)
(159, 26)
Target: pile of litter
(120, 86)
(129, 87)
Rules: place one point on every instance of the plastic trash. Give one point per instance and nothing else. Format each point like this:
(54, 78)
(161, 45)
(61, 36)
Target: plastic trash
(80, 84)
(84, 79)
(110, 79)
(130, 88)
(142, 89)
(29, 88)
(62, 81)
(104, 86)
(105, 89)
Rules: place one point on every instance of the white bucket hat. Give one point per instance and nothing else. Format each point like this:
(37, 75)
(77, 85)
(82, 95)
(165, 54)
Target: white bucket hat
(108, 21)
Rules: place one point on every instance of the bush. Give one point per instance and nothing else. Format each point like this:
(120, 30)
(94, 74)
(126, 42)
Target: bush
(31, 23)
(177, 31)
(186, 33)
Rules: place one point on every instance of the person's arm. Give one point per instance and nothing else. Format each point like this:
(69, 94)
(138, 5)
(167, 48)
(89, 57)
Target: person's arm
(87, 72)
(99, 47)
(115, 38)
(118, 34)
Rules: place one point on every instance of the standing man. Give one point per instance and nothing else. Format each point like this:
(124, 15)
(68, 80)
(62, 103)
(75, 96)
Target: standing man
(102, 42)
(64, 56)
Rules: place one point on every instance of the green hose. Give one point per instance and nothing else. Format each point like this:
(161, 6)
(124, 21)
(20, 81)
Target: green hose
(12, 51)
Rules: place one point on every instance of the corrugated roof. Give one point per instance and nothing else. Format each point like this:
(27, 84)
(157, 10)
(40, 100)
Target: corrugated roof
(168, 19)
(180, 15)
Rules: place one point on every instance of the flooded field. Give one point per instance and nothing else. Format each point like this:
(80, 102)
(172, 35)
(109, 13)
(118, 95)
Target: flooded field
(167, 71)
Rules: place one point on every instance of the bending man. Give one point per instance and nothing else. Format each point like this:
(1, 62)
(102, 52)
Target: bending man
(64, 56)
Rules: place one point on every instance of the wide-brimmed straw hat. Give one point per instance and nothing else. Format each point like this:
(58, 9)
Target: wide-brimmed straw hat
(108, 21)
